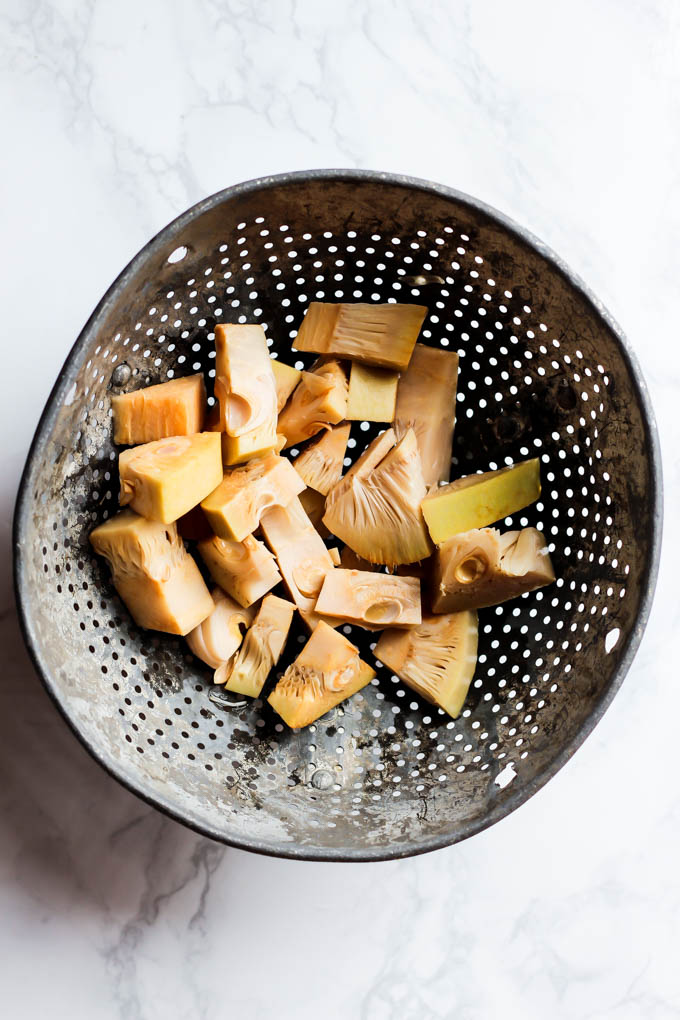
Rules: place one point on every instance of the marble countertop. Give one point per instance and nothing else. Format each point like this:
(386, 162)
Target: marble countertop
(117, 116)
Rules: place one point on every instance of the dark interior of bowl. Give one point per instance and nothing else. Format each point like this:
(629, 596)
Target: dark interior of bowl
(542, 373)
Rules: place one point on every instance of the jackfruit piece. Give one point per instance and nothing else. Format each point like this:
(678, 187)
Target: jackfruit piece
(426, 402)
(173, 408)
(245, 570)
(193, 526)
(153, 573)
(261, 649)
(375, 507)
(318, 401)
(302, 556)
(377, 334)
(478, 500)
(372, 393)
(245, 388)
(286, 379)
(320, 465)
(436, 659)
(335, 556)
(219, 636)
(363, 597)
(327, 671)
(484, 567)
(165, 479)
(234, 508)
(314, 505)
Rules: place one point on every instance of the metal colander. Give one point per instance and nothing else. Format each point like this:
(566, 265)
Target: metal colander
(543, 372)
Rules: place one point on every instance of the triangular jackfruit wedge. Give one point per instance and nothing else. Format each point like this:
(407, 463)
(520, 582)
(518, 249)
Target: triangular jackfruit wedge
(318, 401)
(364, 597)
(484, 567)
(320, 464)
(426, 402)
(375, 507)
(286, 379)
(377, 334)
(436, 659)
(327, 671)
(261, 648)
(302, 556)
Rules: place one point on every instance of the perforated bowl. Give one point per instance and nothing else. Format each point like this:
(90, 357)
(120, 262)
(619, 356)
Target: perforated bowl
(543, 371)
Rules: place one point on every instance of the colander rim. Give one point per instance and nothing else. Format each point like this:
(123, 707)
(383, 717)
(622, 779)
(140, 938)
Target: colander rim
(66, 378)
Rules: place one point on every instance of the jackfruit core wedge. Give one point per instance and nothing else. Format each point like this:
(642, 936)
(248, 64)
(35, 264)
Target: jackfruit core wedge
(320, 465)
(375, 507)
(366, 598)
(318, 401)
(436, 659)
(426, 402)
(153, 573)
(327, 671)
(377, 334)
(219, 636)
(300, 551)
(261, 649)
(484, 567)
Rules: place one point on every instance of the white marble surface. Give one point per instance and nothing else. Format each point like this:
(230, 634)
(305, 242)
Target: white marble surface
(118, 114)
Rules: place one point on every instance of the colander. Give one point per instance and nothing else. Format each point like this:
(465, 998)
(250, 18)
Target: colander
(544, 371)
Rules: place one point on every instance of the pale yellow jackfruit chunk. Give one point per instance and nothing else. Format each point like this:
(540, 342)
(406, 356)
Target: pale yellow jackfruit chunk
(327, 671)
(484, 567)
(318, 401)
(320, 465)
(286, 379)
(245, 570)
(234, 508)
(245, 388)
(219, 636)
(314, 505)
(426, 402)
(436, 659)
(302, 556)
(478, 500)
(363, 597)
(261, 649)
(377, 334)
(174, 408)
(372, 393)
(375, 507)
(163, 480)
(153, 573)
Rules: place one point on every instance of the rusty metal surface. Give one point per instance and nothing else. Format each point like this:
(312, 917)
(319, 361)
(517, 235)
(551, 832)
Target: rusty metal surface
(544, 371)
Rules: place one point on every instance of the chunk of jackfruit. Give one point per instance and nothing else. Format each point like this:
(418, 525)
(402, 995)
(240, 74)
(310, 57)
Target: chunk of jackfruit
(320, 464)
(364, 597)
(173, 408)
(165, 479)
(153, 573)
(235, 507)
(302, 556)
(245, 388)
(327, 671)
(377, 334)
(426, 402)
(261, 649)
(286, 379)
(245, 570)
(217, 638)
(318, 401)
(372, 393)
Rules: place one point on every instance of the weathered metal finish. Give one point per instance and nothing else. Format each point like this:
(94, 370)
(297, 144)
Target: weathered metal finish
(544, 370)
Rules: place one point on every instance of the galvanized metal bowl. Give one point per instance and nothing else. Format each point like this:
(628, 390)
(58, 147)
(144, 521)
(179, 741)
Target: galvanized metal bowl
(544, 371)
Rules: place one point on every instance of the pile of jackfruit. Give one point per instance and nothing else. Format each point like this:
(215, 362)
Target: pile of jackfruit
(418, 557)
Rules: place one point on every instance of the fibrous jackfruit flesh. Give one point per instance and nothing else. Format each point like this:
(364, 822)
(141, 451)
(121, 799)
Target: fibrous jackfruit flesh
(436, 659)
(245, 388)
(377, 334)
(327, 671)
(153, 573)
(320, 464)
(426, 402)
(302, 556)
(235, 507)
(286, 379)
(318, 401)
(261, 648)
(484, 567)
(479, 500)
(372, 393)
(245, 570)
(363, 597)
(174, 408)
(217, 638)
(163, 480)
(375, 507)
